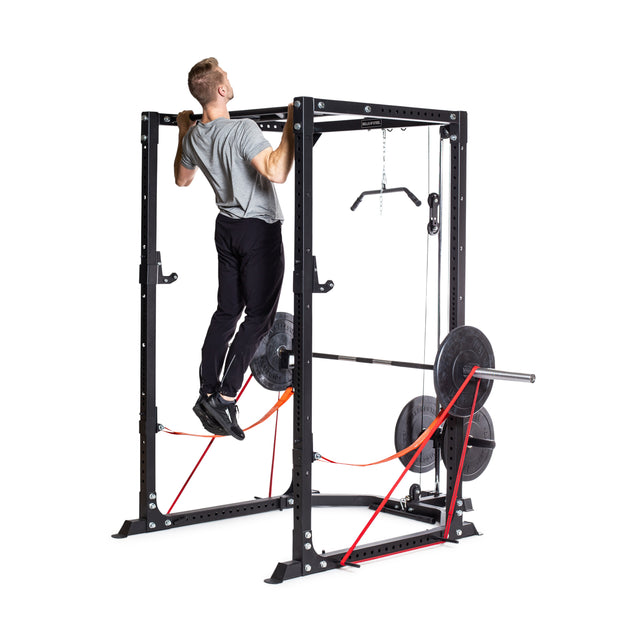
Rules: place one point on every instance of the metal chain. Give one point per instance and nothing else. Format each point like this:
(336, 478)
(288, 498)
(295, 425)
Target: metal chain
(383, 184)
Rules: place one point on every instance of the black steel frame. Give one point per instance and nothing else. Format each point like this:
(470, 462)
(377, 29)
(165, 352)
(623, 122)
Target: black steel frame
(312, 118)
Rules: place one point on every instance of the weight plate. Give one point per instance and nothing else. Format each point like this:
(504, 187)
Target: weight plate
(463, 347)
(414, 418)
(476, 459)
(265, 365)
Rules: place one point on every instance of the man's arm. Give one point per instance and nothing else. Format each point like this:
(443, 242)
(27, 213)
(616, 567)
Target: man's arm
(276, 164)
(183, 175)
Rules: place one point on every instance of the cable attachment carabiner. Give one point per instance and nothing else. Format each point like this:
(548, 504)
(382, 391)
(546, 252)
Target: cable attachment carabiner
(434, 214)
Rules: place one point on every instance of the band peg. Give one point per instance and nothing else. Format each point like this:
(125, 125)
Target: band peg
(154, 274)
(317, 287)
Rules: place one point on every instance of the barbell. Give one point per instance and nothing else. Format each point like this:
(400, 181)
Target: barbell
(463, 348)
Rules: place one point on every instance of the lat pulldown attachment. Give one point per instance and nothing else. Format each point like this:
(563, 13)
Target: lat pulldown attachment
(383, 185)
(384, 190)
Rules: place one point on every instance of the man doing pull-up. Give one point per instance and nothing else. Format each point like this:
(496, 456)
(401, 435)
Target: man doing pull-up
(241, 167)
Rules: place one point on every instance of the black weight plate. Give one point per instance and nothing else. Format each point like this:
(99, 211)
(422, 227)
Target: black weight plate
(414, 418)
(462, 347)
(265, 365)
(476, 459)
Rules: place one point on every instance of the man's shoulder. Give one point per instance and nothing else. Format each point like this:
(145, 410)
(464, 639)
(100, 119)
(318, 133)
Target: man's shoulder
(248, 124)
(249, 130)
(240, 126)
(238, 122)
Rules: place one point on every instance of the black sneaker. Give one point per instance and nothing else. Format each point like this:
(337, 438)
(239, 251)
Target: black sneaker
(222, 414)
(207, 423)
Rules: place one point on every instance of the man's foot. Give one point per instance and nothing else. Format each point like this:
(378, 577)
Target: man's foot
(207, 423)
(219, 415)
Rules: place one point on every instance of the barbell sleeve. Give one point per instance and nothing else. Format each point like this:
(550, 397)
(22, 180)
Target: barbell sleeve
(494, 374)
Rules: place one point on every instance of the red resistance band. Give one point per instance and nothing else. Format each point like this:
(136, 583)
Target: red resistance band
(428, 434)
(461, 465)
(212, 438)
(273, 454)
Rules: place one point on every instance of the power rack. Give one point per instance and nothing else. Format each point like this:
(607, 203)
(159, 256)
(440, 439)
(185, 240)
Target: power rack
(313, 117)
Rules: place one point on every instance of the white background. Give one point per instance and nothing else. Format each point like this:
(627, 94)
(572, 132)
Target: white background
(551, 265)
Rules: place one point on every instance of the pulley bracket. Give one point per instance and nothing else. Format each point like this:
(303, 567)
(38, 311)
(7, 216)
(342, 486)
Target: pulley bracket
(434, 214)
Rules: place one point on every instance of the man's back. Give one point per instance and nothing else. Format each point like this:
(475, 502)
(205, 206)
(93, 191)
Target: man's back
(223, 150)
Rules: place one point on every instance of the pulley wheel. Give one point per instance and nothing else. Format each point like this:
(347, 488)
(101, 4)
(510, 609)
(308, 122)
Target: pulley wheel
(415, 417)
(265, 365)
(476, 459)
(462, 349)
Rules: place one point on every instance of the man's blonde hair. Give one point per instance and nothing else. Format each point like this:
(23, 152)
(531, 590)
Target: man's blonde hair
(204, 79)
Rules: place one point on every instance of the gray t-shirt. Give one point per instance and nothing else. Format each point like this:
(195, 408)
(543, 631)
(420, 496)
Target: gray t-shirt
(223, 150)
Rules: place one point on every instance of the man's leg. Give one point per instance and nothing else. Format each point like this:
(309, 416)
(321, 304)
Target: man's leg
(261, 281)
(218, 417)
(230, 306)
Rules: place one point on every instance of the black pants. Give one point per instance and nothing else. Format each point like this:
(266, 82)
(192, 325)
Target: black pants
(250, 272)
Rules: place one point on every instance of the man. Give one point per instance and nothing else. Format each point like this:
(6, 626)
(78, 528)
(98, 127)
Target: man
(241, 166)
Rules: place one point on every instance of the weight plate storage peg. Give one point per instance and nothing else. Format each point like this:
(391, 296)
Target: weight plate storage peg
(415, 417)
(265, 365)
(463, 348)
(480, 447)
